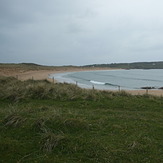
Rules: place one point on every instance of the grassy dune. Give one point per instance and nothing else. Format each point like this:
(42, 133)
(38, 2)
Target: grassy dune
(45, 122)
(11, 68)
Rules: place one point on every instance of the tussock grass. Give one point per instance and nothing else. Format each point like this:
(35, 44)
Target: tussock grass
(49, 141)
(47, 122)
(13, 120)
(39, 125)
(75, 124)
(16, 91)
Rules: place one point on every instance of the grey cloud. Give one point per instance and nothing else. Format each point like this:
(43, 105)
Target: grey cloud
(80, 32)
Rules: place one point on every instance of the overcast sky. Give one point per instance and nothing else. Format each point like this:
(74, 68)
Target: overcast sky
(80, 32)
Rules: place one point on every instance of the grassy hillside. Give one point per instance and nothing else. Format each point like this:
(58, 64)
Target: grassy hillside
(9, 69)
(136, 65)
(30, 66)
(45, 122)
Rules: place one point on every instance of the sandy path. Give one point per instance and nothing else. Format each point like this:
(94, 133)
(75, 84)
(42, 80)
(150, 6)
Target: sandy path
(36, 75)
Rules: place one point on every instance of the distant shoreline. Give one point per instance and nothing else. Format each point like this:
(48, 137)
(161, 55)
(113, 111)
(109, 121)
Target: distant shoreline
(155, 92)
(44, 75)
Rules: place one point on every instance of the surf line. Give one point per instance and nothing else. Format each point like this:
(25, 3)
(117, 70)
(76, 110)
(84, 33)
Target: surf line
(102, 83)
(96, 82)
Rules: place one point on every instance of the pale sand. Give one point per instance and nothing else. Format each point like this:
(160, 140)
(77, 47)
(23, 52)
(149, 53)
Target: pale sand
(155, 92)
(43, 74)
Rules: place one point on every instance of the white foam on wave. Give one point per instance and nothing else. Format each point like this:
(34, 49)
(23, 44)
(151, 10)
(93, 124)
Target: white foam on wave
(96, 82)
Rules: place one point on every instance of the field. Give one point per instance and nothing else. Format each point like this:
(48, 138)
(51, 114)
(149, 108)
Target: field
(46, 122)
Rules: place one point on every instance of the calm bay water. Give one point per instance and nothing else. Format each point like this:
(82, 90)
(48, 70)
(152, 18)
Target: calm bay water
(112, 79)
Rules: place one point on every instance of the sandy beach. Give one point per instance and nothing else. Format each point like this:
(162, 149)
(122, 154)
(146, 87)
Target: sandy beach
(155, 92)
(44, 74)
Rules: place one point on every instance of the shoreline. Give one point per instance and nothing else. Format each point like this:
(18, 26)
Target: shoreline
(44, 75)
(154, 92)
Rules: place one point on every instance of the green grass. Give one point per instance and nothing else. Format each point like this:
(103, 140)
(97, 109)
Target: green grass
(45, 122)
(25, 67)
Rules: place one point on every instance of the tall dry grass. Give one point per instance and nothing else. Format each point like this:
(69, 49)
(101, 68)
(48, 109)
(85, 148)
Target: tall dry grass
(15, 90)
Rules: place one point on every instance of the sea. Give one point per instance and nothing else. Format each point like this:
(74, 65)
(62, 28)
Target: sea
(132, 79)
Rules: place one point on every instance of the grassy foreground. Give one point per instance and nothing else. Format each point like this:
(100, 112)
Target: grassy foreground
(61, 123)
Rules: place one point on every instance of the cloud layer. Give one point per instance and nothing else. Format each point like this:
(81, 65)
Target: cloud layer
(79, 32)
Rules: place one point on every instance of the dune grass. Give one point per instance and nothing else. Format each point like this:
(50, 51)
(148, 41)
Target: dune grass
(46, 122)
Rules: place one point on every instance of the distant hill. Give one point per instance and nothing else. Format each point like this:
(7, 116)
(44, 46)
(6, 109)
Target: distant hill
(135, 65)
(30, 64)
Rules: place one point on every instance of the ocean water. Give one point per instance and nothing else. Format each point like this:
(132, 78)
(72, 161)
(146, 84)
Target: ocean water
(114, 79)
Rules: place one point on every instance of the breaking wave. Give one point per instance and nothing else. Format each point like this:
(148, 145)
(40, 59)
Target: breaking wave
(102, 83)
(96, 82)
(130, 79)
